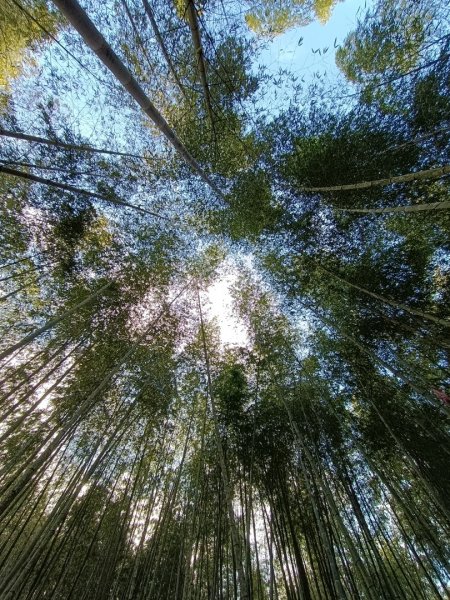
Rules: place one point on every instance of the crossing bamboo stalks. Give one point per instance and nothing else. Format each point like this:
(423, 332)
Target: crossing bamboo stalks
(94, 39)
(71, 188)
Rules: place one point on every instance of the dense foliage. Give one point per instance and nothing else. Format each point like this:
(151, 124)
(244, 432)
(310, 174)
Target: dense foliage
(142, 457)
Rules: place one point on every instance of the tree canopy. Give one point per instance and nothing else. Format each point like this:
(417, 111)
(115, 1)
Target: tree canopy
(288, 440)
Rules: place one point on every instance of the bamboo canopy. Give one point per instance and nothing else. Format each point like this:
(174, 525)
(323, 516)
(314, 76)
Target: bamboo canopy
(238, 390)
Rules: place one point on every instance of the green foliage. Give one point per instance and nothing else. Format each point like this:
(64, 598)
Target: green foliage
(251, 210)
(141, 456)
(14, 238)
(231, 390)
(269, 18)
(395, 40)
(19, 34)
(429, 115)
(389, 41)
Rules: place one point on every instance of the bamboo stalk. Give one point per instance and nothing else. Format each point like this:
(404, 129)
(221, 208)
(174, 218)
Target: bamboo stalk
(19, 135)
(434, 173)
(71, 188)
(399, 209)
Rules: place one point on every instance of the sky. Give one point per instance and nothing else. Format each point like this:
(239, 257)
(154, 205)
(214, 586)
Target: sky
(282, 52)
(285, 52)
(219, 306)
(87, 103)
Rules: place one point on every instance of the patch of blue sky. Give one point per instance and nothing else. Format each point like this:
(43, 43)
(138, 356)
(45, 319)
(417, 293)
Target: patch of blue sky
(308, 54)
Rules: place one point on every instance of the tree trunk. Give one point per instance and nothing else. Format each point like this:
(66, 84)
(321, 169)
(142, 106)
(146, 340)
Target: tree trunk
(71, 188)
(426, 174)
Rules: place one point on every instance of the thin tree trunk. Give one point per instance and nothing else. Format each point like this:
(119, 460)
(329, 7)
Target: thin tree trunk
(27, 377)
(398, 305)
(17, 290)
(136, 33)
(196, 40)
(19, 135)
(398, 209)
(162, 46)
(50, 324)
(71, 188)
(67, 170)
(21, 273)
(228, 495)
(434, 173)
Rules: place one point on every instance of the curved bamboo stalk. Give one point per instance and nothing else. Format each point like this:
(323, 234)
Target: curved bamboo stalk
(162, 46)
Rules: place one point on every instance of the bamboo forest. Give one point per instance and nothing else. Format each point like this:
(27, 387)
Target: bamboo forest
(224, 299)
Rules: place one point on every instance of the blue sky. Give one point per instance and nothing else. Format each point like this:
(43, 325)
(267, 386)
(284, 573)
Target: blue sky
(286, 53)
